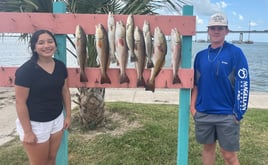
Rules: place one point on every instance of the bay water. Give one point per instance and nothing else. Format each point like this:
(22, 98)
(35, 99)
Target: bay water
(14, 52)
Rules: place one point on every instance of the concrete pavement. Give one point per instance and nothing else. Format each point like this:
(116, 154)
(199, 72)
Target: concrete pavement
(170, 96)
(135, 95)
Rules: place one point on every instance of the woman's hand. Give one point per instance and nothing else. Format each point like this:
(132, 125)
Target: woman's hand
(67, 123)
(30, 138)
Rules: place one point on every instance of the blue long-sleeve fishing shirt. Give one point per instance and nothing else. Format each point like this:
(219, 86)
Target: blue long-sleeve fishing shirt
(222, 79)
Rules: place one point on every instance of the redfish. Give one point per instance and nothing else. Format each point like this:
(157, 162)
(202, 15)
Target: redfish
(81, 51)
(102, 48)
(121, 50)
(175, 54)
(111, 36)
(160, 51)
(139, 50)
(148, 43)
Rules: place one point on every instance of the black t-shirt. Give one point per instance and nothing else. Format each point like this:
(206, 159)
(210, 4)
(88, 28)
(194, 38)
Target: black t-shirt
(45, 101)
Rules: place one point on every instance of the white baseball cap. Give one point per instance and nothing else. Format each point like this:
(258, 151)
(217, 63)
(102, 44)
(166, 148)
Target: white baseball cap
(218, 19)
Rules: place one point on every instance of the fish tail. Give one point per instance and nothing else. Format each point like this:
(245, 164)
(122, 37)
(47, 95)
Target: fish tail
(150, 64)
(140, 82)
(124, 78)
(83, 76)
(176, 80)
(105, 79)
(150, 86)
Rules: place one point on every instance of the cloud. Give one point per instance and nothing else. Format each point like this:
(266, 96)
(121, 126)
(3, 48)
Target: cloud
(253, 23)
(234, 13)
(240, 17)
(205, 7)
(222, 4)
(199, 20)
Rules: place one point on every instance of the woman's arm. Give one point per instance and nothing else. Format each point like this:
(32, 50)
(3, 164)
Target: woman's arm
(22, 94)
(67, 104)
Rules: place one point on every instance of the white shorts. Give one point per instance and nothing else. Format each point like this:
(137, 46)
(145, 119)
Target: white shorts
(42, 130)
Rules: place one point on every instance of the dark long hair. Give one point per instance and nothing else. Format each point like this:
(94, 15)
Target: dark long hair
(34, 40)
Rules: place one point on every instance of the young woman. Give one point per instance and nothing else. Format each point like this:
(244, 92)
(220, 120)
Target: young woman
(42, 91)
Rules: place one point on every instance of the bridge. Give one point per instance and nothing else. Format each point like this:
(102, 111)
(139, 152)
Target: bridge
(241, 32)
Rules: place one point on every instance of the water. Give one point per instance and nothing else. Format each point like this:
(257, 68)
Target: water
(15, 53)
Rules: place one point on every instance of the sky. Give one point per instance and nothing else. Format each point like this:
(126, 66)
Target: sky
(242, 15)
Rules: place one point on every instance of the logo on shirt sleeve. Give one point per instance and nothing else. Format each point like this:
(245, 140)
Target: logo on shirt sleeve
(243, 73)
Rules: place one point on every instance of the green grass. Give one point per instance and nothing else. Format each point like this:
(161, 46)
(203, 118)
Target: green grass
(146, 134)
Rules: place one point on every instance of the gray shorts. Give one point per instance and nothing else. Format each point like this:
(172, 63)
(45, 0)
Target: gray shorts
(212, 127)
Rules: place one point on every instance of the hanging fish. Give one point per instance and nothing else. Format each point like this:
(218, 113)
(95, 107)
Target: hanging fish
(139, 50)
(102, 48)
(176, 54)
(121, 50)
(130, 37)
(81, 51)
(111, 37)
(160, 51)
(148, 43)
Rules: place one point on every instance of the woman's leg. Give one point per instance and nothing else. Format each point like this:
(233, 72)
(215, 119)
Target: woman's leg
(37, 153)
(54, 144)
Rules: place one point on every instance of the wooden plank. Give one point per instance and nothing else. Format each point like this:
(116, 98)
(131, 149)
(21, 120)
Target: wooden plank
(12, 22)
(163, 80)
(184, 99)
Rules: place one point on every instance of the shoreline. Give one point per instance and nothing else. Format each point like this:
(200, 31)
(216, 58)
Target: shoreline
(135, 95)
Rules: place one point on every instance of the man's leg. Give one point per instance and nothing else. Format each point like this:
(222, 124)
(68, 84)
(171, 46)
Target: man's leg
(209, 154)
(230, 158)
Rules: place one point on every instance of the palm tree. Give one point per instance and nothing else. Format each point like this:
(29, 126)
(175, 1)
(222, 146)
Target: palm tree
(26, 5)
(91, 100)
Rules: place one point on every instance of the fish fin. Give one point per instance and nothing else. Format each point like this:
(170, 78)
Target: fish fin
(105, 79)
(133, 58)
(83, 76)
(176, 80)
(140, 82)
(150, 64)
(117, 63)
(113, 58)
(150, 86)
(124, 78)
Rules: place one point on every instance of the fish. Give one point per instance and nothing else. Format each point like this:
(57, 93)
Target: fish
(81, 51)
(102, 48)
(176, 54)
(130, 37)
(139, 50)
(121, 50)
(111, 37)
(148, 43)
(160, 51)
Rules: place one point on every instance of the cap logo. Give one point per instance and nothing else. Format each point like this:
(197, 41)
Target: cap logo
(218, 18)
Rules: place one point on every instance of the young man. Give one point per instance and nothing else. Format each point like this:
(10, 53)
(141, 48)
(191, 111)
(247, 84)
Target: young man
(220, 95)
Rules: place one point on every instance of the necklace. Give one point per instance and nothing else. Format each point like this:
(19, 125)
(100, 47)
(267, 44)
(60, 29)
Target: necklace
(215, 56)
